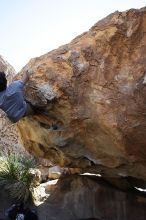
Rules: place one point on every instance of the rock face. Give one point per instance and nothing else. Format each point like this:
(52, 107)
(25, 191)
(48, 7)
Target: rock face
(92, 99)
(9, 139)
(7, 68)
(80, 197)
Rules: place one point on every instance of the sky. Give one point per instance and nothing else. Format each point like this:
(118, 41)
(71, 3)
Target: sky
(31, 28)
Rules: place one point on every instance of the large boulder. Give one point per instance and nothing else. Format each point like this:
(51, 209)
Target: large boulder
(91, 96)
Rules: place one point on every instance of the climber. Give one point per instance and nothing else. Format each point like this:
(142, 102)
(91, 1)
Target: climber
(12, 100)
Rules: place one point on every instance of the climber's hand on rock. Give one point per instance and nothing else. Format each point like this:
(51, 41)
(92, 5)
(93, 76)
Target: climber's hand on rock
(26, 75)
(29, 72)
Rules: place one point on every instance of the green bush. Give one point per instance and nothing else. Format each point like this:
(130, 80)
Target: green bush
(15, 176)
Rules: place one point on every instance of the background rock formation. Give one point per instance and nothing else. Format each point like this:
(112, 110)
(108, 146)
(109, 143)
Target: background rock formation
(9, 138)
(91, 95)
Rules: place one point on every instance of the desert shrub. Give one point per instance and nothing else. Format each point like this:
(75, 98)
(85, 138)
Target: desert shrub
(15, 176)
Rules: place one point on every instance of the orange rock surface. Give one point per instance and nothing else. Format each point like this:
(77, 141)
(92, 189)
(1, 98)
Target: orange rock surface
(92, 99)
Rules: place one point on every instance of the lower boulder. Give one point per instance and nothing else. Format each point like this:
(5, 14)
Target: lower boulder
(77, 197)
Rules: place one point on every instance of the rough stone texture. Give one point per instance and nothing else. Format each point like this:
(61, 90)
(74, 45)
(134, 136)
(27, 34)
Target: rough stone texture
(7, 68)
(9, 138)
(81, 197)
(92, 99)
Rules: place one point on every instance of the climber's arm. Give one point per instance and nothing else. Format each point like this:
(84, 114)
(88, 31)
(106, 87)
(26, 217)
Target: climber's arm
(26, 76)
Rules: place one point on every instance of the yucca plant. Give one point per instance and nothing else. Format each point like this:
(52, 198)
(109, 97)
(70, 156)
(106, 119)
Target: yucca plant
(15, 176)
